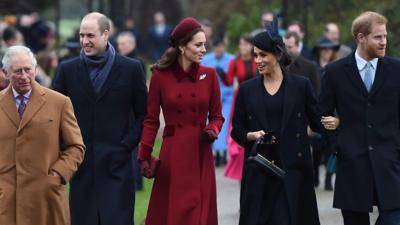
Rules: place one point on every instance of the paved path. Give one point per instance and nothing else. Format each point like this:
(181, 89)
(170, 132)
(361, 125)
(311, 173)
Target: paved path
(228, 203)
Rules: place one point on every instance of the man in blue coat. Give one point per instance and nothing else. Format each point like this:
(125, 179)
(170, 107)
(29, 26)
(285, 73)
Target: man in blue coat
(364, 89)
(109, 93)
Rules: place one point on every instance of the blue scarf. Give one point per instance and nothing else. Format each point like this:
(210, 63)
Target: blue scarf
(99, 66)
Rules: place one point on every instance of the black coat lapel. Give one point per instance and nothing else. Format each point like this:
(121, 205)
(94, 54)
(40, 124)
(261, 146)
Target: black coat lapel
(114, 73)
(379, 75)
(290, 90)
(354, 75)
(259, 92)
(84, 80)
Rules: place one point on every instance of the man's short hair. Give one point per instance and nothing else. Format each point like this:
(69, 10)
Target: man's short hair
(102, 20)
(363, 23)
(16, 50)
(127, 34)
(296, 37)
(299, 24)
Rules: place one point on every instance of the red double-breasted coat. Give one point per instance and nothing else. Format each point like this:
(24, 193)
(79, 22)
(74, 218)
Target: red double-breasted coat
(184, 191)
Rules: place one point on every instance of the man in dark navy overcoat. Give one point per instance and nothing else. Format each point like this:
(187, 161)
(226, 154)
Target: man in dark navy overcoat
(108, 92)
(364, 89)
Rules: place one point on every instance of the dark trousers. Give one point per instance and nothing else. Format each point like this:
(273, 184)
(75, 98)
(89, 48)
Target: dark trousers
(388, 217)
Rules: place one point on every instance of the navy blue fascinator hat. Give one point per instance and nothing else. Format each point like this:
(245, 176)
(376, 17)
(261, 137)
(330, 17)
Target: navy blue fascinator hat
(270, 41)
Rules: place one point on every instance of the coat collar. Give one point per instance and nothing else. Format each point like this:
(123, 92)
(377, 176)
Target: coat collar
(36, 101)
(290, 90)
(83, 77)
(180, 74)
(354, 75)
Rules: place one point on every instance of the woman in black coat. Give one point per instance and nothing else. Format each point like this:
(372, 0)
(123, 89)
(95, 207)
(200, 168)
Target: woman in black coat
(285, 104)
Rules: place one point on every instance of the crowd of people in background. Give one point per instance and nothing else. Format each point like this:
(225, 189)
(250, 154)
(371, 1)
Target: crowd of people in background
(39, 34)
(180, 51)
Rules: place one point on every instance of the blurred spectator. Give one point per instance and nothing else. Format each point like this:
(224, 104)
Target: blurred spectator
(35, 31)
(304, 67)
(46, 56)
(10, 36)
(219, 58)
(158, 36)
(129, 25)
(242, 68)
(208, 31)
(301, 65)
(266, 18)
(126, 45)
(325, 51)
(3, 80)
(72, 47)
(299, 29)
(332, 32)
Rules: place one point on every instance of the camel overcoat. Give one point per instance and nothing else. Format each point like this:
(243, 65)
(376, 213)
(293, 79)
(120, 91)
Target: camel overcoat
(46, 138)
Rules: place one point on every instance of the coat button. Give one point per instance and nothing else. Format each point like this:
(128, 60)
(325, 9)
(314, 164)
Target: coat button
(250, 117)
(298, 135)
(369, 126)
(369, 104)
(370, 148)
(193, 95)
(180, 125)
(299, 154)
(299, 115)
(179, 95)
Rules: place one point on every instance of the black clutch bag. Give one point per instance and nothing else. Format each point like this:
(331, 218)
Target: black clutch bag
(262, 162)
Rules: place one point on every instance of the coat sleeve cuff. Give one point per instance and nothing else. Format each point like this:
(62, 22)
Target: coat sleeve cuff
(144, 152)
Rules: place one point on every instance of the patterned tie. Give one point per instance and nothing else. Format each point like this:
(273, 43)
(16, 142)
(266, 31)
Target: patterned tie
(368, 76)
(22, 105)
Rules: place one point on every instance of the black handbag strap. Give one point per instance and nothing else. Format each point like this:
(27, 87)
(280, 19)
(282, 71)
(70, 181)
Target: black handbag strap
(258, 141)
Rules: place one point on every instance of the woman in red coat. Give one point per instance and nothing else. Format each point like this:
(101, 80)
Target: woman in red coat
(184, 191)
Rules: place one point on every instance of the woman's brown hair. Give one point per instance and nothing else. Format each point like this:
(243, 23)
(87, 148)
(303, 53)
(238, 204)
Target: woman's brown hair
(171, 54)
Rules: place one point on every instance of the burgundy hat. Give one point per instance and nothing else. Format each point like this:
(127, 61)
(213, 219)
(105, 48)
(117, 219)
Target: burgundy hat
(184, 27)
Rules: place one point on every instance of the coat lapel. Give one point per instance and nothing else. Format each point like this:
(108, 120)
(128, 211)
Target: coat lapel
(379, 75)
(7, 104)
(354, 75)
(290, 90)
(114, 73)
(35, 102)
(261, 114)
(84, 80)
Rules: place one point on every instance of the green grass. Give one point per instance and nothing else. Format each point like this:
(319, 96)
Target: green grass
(142, 197)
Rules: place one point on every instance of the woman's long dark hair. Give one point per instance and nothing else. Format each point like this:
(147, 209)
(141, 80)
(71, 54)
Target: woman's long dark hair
(171, 54)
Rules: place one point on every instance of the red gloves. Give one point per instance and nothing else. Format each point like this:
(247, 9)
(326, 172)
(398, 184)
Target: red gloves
(148, 163)
(208, 135)
(148, 168)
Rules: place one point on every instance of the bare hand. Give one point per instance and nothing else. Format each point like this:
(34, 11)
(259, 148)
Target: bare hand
(330, 122)
(252, 136)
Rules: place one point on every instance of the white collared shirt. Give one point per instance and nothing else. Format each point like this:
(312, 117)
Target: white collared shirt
(361, 66)
(27, 95)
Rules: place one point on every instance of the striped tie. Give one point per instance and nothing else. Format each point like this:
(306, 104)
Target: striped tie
(22, 105)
